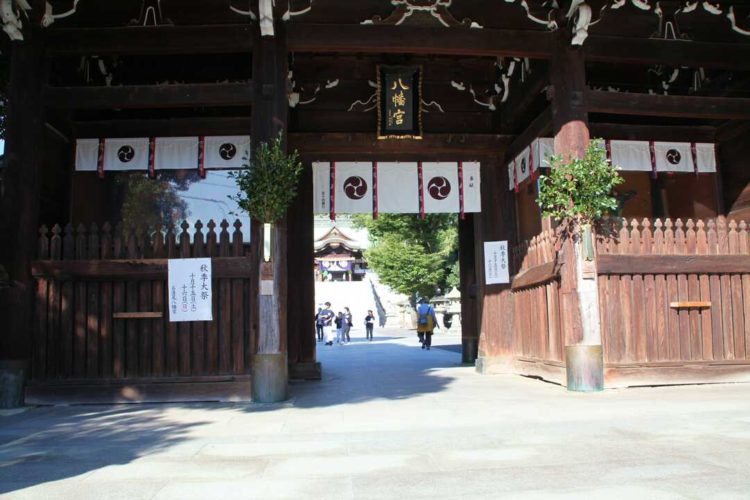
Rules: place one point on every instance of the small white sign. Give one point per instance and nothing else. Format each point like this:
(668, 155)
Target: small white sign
(190, 289)
(496, 262)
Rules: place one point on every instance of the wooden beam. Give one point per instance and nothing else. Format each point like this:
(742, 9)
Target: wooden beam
(366, 146)
(539, 127)
(418, 40)
(673, 264)
(209, 39)
(166, 127)
(710, 108)
(141, 269)
(675, 133)
(648, 51)
(536, 275)
(150, 96)
(535, 44)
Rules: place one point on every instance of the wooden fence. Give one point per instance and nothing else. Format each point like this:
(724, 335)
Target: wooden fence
(674, 301)
(101, 304)
(536, 288)
(675, 291)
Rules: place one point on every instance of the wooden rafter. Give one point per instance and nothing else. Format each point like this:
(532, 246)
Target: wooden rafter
(710, 108)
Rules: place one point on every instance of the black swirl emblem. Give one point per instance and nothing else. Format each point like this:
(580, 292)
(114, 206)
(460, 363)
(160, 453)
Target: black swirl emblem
(439, 188)
(674, 157)
(126, 153)
(227, 151)
(355, 187)
(523, 165)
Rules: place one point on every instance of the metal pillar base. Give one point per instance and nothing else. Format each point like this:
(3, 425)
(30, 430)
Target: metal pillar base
(269, 378)
(13, 375)
(584, 365)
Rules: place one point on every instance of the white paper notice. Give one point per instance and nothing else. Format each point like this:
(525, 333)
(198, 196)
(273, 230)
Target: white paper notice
(496, 262)
(190, 290)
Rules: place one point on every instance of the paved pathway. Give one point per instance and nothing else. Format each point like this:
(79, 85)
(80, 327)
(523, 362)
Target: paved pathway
(392, 421)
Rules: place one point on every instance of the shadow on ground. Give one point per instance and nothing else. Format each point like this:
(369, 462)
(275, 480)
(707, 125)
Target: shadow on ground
(51, 443)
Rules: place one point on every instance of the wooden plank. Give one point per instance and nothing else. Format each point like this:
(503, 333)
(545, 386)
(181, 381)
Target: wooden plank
(54, 360)
(105, 329)
(182, 95)
(673, 264)
(662, 311)
(615, 313)
(214, 39)
(238, 327)
(690, 304)
(365, 146)
(692, 373)
(145, 329)
(683, 332)
(165, 127)
(536, 275)
(92, 330)
(41, 312)
(419, 40)
(670, 133)
(738, 317)
(651, 314)
(628, 330)
(118, 332)
(157, 346)
(79, 332)
(640, 331)
(225, 330)
(138, 315)
(131, 331)
(132, 269)
(630, 103)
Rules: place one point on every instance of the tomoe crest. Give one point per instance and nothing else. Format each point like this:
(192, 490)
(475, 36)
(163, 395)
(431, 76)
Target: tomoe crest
(355, 187)
(439, 188)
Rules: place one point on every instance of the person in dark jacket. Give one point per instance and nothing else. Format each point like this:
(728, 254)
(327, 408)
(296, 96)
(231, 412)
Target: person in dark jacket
(369, 324)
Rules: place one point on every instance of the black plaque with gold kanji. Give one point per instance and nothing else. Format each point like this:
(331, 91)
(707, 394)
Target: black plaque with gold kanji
(399, 97)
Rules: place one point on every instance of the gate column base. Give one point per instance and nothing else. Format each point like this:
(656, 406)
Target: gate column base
(12, 383)
(270, 377)
(584, 365)
(494, 365)
(469, 350)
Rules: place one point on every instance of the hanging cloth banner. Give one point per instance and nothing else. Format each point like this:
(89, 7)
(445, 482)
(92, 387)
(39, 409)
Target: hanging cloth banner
(226, 152)
(176, 153)
(397, 188)
(440, 188)
(511, 176)
(706, 156)
(522, 166)
(673, 157)
(472, 187)
(322, 187)
(353, 187)
(631, 156)
(87, 154)
(394, 187)
(126, 154)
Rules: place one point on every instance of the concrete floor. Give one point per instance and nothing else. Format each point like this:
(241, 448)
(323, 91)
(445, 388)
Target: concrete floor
(392, 421)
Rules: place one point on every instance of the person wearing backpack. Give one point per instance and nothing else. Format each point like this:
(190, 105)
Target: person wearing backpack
(426, 323)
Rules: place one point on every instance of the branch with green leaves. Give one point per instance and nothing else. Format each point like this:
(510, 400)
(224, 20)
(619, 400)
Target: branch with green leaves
(268, 183)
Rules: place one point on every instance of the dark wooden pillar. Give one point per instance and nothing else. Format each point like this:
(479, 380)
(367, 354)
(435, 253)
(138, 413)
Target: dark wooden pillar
(468, 287)
(19, 206)
(301, 301)
(570, 126)
(269, 119)
(496, 222)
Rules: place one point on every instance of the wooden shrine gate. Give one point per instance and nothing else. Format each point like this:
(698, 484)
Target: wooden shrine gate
(102, 320)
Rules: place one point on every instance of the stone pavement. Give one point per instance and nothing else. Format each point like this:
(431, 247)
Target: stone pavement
(392, 421)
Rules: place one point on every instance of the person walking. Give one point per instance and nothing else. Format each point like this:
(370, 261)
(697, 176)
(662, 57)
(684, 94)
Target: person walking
(319, 324)
(339, 328)
(347, 326)
(426, 323)
(327, 317)
(369, 324)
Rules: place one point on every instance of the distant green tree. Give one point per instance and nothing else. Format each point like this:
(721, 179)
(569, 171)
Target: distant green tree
(414, 256)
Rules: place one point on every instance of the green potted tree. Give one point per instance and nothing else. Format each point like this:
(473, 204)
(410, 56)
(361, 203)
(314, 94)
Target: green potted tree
(267, 185)
(576, 194)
